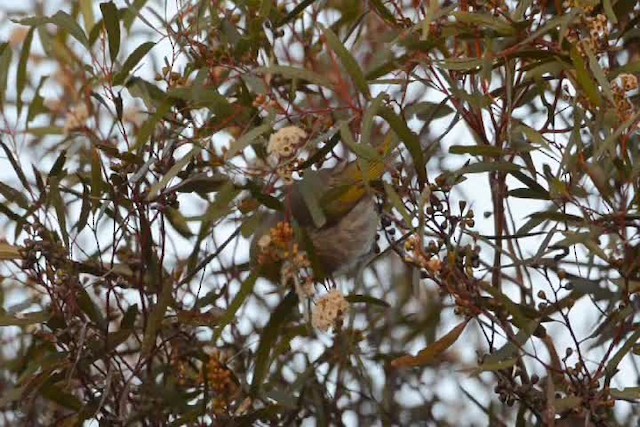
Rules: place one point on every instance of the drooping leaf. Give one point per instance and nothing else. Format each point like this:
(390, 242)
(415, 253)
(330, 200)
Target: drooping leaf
(5, 62)
(348, 62)
(432, 352)
(268, 339)
(295, 73)
(112, 25)
(411, 141)
(131, 61)
(21, 73)
(63, 21)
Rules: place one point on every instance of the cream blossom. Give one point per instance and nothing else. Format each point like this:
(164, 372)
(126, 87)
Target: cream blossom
(329, 310)
(285, 143)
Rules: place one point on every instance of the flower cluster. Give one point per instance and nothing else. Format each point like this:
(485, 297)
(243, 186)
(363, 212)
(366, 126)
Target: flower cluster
(588, 6)
(285, 143)
(330, 311)
(284, 149)
(278, 245)
(591, 35)
(222, 382)
(623, 105)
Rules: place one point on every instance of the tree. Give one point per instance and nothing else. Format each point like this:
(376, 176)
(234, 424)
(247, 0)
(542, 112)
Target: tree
(136, 169)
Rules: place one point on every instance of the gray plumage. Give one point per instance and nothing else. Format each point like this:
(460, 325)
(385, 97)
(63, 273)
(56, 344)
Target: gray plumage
(341, 244)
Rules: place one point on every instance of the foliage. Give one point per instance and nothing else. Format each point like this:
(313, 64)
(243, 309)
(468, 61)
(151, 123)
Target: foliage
(136, 169)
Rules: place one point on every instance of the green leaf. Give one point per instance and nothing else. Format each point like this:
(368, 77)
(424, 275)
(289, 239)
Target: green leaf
(149, 126)
(97, 184)
(485, 21)
(477, 150)
(129, 318)
(36, 108)
(584, 79)
(58, 204)
(348, 62)
(133, 60)
(58, 164)
(9, 252)
(268, 338)
(428, 111)
(369, 116)
(295, 73)
(16, 168)
(131, 12)
(396, 201)
(495, 365)
(432, 352)
(410, 139)
(63, 21)
(363, 150)
(219, 208)
(88, 307)
(527, 193)
(608, 10)
(246, 289)
(24, 319)
(21, 73)
(14, 196)
(295, 12)
(530, 182)
(202, 97)
(201, 183)
(5, 62)
(85, 209)
(482, 167)
(311, 188)
(112, 25)
(383, 12)
(629, 393)
(265, 9)
(467, 65)
(172, 173)
(57, 395)
(86, 9)
(154, 324)
(241, 143)
(557, 217)
(179, 223)
(366, 299)
(601, 78)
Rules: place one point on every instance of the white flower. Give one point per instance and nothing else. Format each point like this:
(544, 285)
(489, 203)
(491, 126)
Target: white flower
(331, 309)
(285, 143)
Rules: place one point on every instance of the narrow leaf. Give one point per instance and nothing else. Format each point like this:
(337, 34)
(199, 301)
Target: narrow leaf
(400, 127)
(133, 60)
(5, 62)
(172, 173)
(241, 143)
(348, 62)
(112, 25)
(21, 74)
(295, 73)
(431, 353)
(268, 339)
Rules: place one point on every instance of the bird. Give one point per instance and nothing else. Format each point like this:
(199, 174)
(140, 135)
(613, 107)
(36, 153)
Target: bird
(335, 215)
